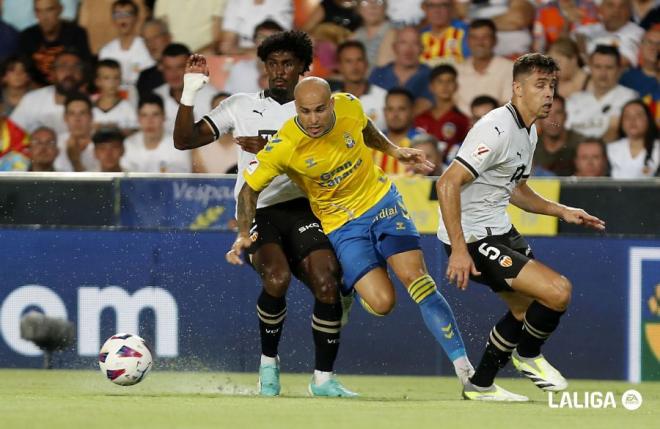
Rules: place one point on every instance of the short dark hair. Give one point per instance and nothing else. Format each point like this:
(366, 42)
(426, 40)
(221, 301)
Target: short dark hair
(484, 99)
(442, 69)
(561, 99)
(78, 96)
(401, 91)
(268, 24)
(352, 44)
(11, 61)
(610, 50)
(108, 63)
(107, 135)
(130, 3)
(152, 99)
(483, 22)
(296, 42)
(176, 50)
(530, 63)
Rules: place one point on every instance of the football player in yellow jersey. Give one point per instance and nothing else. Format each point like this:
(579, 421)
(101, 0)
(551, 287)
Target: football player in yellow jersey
(325, 149)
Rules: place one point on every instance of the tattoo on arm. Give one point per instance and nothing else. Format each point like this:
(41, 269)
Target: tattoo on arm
(374, 139)
(247, 208)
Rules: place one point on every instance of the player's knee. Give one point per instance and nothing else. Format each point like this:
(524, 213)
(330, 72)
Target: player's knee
(561, 295)
(326, 289)
(379, 305)
(276, 281)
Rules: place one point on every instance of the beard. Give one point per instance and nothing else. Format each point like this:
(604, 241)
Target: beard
(67, 86)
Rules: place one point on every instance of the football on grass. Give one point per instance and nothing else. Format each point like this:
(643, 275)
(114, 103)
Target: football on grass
(125, 359)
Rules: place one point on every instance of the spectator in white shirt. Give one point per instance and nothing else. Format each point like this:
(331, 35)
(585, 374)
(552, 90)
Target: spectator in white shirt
(129, 48)
(173, 67)
(152, 149)
(591, 158)
(595, 111)
(242, 17)
(110, 109)
(484, 73)
(45, 106)
(615, 29)
(75, 145)
(637, 153)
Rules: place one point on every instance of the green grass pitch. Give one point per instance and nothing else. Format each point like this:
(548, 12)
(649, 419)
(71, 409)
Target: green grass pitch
(84, 399)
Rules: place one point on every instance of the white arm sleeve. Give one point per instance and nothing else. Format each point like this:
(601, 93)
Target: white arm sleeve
(483, 147)
(222, 118)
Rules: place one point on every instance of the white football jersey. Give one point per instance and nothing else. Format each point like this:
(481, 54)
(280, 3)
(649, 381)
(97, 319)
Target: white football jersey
(591, 116)
(246, 115)
(498, 152)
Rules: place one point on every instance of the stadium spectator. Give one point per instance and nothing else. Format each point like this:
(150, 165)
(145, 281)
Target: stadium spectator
(43, 149)
(16, 83)
(353, 66)
(239, 21)
(244, 74)
(572, 77)
(108, 149)
(644, 78)
(556, 19)
(43, 42)
(109, 108)
(636, 154)
(95, 16)
(484, 73)
(128, 49)
(443, 39)
(595, 111)
(152, 149)
(8, 39)
(198, 23)
(21, 14)
(156, 37)
(173, 67)
(615, 29)
(404, 13)
(591, 158)
(76, 151)
(433, 150)
(376, 32)
(555, 149)
(400, 128)
(406, 71)
(481, 105)
(652, 18)
(444, 120)
(45, 106)
(220, 156)
(513, 19)
(336, 12)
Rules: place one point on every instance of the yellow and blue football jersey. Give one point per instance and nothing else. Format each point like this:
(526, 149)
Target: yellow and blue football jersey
(336, 170)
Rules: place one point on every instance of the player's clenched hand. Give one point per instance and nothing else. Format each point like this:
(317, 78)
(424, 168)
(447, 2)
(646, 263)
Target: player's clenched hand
(252, 144)
(415, 158)
(459, 268)
(580, 217)
(197, 64)
(234, 255)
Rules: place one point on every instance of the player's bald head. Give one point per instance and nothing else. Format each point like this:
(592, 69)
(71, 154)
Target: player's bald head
(312, 90)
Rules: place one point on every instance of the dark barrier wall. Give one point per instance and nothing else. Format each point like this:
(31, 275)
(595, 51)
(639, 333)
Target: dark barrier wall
(198, 312)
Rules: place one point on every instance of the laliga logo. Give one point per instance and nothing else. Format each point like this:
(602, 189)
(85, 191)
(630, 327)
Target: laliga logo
(630, 400)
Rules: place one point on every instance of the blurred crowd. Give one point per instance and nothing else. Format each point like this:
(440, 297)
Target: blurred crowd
(94, 85)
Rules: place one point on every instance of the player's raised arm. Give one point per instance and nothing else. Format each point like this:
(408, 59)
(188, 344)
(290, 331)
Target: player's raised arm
(460, 264)
(374, 139)
(527, 199)
(187, 133)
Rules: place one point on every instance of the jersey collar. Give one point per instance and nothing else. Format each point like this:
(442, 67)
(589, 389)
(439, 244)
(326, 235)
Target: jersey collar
(516, 116)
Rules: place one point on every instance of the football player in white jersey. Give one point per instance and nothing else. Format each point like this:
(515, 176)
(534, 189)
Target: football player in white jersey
(489, 172)
(287, 237)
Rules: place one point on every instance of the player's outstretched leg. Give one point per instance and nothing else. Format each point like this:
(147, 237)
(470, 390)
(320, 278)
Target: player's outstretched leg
(320, 272)
(271, 264)
(552, 293)
(437, 314)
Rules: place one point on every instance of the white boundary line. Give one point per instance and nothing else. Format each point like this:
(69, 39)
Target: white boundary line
(637, 255)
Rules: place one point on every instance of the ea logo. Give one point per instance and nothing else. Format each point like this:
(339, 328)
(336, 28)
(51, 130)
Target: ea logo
(631, 400)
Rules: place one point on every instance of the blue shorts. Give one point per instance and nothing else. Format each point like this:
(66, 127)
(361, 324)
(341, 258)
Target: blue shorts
(366, 242)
